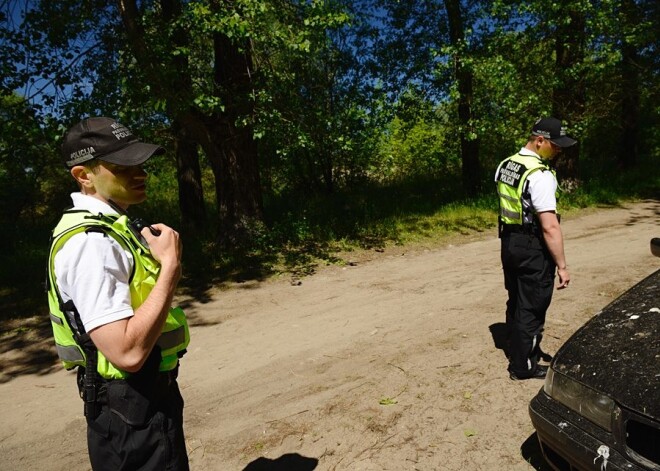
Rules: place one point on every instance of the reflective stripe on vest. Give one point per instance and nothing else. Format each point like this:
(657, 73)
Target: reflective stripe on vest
(512, 175)
(175, 335)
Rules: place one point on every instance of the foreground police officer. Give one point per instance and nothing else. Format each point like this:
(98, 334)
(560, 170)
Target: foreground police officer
(111, 281)
(532, 245)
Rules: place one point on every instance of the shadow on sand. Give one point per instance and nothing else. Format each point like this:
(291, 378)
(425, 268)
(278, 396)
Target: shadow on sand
(288, 462)
(531, 452)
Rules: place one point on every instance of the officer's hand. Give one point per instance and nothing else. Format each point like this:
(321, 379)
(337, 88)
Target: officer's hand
(564, 278)
(165, 247)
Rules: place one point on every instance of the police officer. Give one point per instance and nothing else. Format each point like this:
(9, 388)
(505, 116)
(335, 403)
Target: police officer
(111, 281)
(532, 246)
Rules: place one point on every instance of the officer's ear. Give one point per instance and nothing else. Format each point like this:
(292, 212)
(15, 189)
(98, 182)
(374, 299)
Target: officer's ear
(539, 141)
(84, 176)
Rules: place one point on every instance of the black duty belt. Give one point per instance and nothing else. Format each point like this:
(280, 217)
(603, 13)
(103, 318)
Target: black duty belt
(161, 382)
(527, 229)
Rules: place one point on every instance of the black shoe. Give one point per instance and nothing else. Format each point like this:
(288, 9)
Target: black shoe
(546, 357)
(539, 373)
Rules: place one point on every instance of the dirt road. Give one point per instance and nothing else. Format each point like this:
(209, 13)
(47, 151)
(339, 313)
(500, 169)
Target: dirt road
(388, 363)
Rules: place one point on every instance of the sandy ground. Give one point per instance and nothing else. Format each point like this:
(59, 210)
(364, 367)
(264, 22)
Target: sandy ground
(388, 363)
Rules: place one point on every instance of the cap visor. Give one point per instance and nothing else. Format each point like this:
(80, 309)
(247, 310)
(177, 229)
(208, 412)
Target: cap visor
(133, 154)
(563, 141)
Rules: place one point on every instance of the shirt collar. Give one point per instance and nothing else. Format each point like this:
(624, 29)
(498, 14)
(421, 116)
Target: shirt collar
(91, 204)
(530, 153)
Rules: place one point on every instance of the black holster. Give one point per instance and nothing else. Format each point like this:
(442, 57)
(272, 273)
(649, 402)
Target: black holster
(89, 384)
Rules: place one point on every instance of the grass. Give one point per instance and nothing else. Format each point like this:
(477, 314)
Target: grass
(302, 232)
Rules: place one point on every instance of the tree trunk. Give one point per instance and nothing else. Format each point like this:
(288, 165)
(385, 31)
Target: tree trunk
(469, 142)
(569, 97)
(176, 92)
(627, 154)
(191, 194)
(230, 148)
(189, 176)
(238, 184)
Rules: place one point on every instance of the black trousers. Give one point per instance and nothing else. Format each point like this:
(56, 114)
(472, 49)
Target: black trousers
(139, 428)
(529, 273)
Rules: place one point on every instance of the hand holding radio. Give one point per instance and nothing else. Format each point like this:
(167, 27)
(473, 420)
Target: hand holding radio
(140, 224)
(164, 244)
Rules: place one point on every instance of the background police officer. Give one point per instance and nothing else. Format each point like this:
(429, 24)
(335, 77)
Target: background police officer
(110, 290)
(532, 246)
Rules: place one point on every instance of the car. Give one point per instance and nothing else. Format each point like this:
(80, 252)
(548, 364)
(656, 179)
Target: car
(599, 408)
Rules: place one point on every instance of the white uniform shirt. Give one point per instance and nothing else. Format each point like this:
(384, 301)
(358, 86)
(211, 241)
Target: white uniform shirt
(93, 270)
(542, 188)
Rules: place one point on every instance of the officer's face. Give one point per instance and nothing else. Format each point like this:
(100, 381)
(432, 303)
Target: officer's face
(123, 185)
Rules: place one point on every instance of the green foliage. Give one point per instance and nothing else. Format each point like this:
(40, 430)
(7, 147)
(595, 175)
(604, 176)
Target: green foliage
(353, 105)
(610, 185)
(313, 130)
(416, 149)
(19, 167)
(30, 188)
(28, 163)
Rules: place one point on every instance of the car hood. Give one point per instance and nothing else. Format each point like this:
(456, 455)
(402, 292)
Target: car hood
(618, 351)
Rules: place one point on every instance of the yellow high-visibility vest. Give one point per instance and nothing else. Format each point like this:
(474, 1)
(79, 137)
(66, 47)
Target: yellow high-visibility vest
(511, 180)
(175, 335)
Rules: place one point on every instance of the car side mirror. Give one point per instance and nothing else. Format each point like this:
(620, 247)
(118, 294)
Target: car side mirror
(655, 246)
